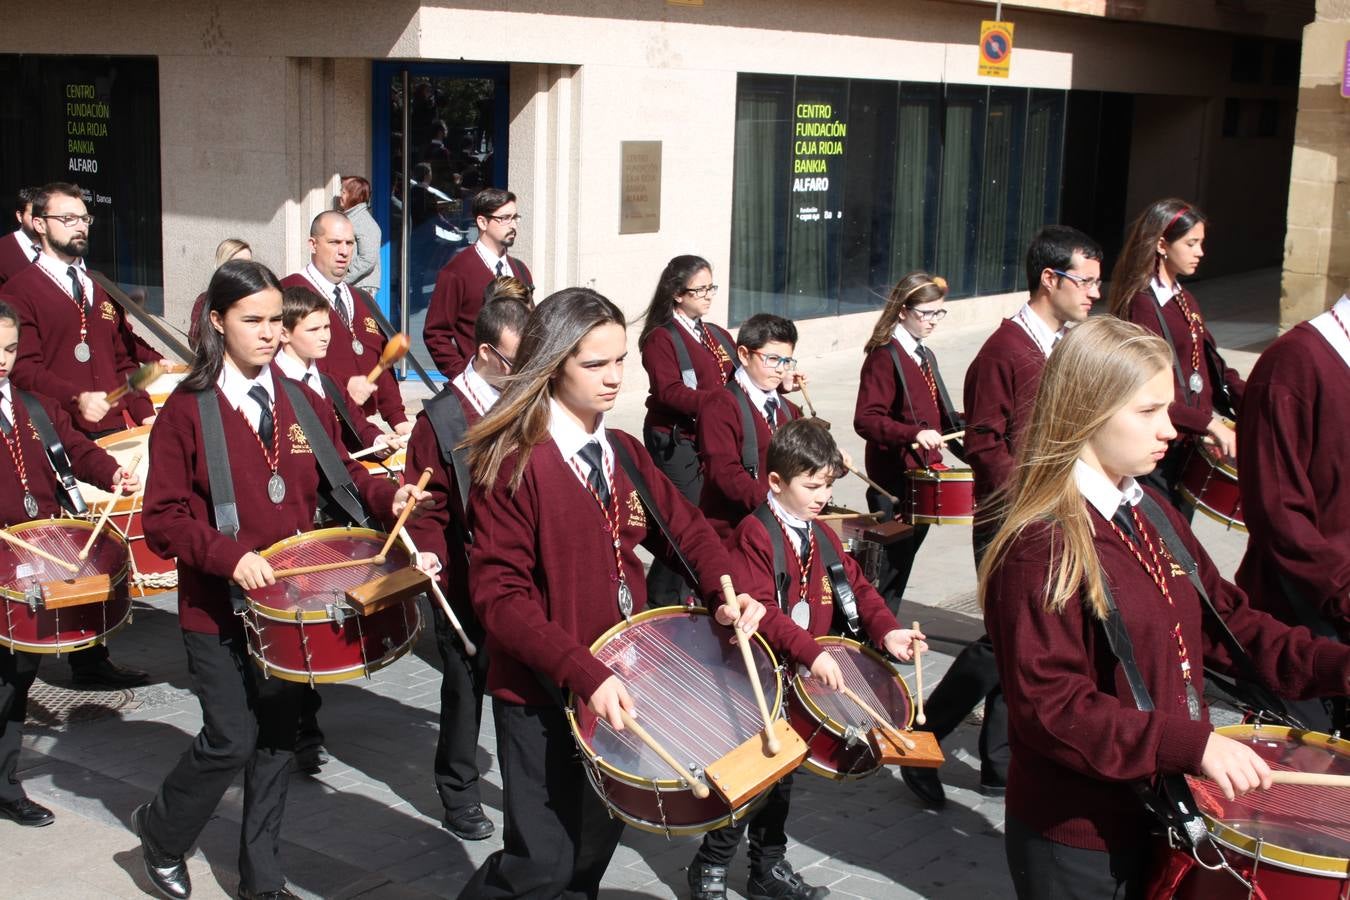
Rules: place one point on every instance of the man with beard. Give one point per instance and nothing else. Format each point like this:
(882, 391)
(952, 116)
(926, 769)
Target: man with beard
(357, 340)
(459, 286)
(73, 350)
(23, 246)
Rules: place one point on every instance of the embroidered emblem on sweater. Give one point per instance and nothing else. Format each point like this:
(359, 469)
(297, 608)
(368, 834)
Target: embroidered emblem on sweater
(637, 516)
(371, 327)
(826, 589)
(108, 311)
(299, 443)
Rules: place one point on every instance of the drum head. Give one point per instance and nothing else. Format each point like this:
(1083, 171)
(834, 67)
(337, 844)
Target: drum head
(869, 676)
(63, 538)
(1302, 827)
(122, 446)
(310, 595)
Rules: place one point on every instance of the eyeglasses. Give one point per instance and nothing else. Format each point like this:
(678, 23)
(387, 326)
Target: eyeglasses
(774, 361)
(1086, 284)
(707, 290)
(506, 220)
(69, 219)
(930, 315)
(509, 363)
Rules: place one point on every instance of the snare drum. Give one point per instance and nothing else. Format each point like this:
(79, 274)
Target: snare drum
(304, 629)
(690, 687)
(27, 624)
(1291, 842)
(391, 467)
(1212, 486)
(150, 574)
(939, 496)
(160, 389)
(834, 727)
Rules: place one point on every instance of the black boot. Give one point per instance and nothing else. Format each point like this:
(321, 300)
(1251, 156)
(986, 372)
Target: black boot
(706, 881)
(781, 883)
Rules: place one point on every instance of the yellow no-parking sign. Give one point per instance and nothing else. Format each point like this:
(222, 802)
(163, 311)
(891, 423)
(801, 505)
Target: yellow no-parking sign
(996, 43)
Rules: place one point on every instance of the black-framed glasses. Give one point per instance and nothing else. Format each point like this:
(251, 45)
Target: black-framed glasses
(1086, 284)
(930, 315)
(507, 220)
(509, 363)
(707, 290)
(69, 219)
(774, 361)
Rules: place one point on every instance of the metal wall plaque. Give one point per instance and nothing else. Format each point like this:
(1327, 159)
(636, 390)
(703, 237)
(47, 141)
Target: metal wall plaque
(640, 187)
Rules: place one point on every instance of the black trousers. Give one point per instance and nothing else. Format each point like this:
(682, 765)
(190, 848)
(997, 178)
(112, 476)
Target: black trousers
(463, 679)
(1044, 870)
(897, 559)
(248, 723)
(17, 671)
(675, 455)
(88, 658)
(558, 836)
(767, 829)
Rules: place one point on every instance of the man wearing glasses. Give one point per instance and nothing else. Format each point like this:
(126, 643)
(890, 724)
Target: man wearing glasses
(459, 287)
(23, 246)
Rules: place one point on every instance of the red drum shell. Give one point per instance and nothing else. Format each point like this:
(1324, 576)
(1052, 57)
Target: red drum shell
(38, 630)
(1212, 485)
(823, 717)
(692, 694)
(939, 497)
(294, 632)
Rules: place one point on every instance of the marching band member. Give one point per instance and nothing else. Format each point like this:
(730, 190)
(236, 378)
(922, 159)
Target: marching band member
(555, 522)
(249, 722)
(1079, 540)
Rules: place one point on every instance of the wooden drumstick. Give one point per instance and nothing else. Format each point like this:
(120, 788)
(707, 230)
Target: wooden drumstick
(37, 551)
(945, 438)
(696, 785)
(396, 349)
(136, 381)
(770, 739)
(469, 647)
(1319, 779)
(371, 451)
(327, 567)
(806, 397)
(874, 486)
(402, 517)
(919, 716)
(107, 509)
(882, 723)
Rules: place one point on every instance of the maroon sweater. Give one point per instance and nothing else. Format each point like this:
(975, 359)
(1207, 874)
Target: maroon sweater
(670, 402)
(889, 420)
(1077, 737)
(366, 430)
(179, 515)
(541, 568)
(1191, 413)
(730, 493)
(1000, 387)
(455, 303)
(752, 567)
(91, 464)
(1296, 501)
(50, 330)
(12, 258)
(342, 362)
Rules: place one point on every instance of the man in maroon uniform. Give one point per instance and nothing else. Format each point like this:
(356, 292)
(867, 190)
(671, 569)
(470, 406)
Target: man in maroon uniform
(443, 531)
(460, 284)
(22, 246)
(357, 341)
(1064, 278)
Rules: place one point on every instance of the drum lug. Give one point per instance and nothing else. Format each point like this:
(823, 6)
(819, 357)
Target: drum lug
(338, 612)
(853, 735)
(33, 597)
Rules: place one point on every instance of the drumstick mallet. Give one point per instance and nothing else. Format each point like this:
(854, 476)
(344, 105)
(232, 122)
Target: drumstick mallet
(696, 785)
(136, 381)
(874, 486)
(743, 639)
(945, 438)
(469, 647)
(882, 723)
(919, 716)
(107, 509)
(36, 551)
(1319, 779)
(402, 517)
(371, 451)
(396, 349)
(811, 407)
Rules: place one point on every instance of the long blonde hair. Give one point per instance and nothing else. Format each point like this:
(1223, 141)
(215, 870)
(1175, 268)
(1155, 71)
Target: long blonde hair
(1095, 370)
(915, 288)
(519, 420)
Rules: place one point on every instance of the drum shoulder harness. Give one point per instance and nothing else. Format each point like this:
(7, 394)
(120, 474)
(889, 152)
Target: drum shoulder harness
(449, 424)
(844, 599)
(68, 493)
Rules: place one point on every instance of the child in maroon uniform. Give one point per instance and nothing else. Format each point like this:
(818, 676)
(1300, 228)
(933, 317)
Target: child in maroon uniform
(1082, 543)
(249, 722)
(555, 522)
(803, 461)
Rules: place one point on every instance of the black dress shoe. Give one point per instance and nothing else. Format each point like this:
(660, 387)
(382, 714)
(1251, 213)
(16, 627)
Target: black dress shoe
(993, 787)
(283, 894)
(469, 823)
(108, 674)
(167, 873)
(311, 758)
(706, 881)
(781, 883)
(26, 812)
(925, 784)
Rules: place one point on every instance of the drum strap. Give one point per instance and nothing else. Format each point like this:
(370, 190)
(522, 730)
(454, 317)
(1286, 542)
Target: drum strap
(682, 352)
(625, 462)
(904, 383)
(220, 479)
(1176, 357)
(68, 490)
(339, 401)
(844, 599)
(450, 425)
(750, 437)
(341, 490)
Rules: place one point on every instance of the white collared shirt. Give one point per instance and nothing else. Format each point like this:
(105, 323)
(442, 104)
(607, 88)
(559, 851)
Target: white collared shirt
(295, 370)
(1101, 494)
(797, 525)
(491, 259)
(758, 397)
(1037, 330)
(57, 269)
(1161, 292)
(690, 325)
(1331, 329)
(325, 289)
(908, 342)
(571, 437)
(236, 387)
(26, 244)
(481, 394)
(6, 400)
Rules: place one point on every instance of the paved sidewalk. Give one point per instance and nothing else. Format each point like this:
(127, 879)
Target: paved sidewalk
(369, 825)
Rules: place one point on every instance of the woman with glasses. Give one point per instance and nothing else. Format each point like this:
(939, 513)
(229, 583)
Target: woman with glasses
(1167, 242)
(902, 410)
(688, 360)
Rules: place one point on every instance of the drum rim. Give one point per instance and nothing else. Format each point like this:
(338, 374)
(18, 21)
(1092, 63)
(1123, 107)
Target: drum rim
(314, 615)
(941, 520)
(657, 784)
(819, 714)
(68, 647)
(374, 465)
(119, 436)
(1275, 854)
(8, 593)
(1227, 521)
(1210, 455)
(952, 473)
(127, 503)
(337, 676)
(651, 827)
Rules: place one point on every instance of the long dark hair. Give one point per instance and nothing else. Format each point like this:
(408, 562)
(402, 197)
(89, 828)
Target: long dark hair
(1168, 219)
(232, 282)
(674, 277)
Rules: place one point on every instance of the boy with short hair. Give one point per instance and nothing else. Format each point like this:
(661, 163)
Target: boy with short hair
(802, 462)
